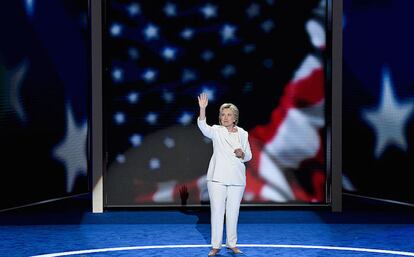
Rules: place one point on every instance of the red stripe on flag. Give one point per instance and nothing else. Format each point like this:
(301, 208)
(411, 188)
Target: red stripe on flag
(301, 93)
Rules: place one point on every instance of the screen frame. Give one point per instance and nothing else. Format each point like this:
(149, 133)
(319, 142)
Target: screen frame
(334, 113)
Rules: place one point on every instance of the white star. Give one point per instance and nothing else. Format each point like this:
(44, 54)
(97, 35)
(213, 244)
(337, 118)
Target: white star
(134, 9)
(167, 96)
(347, 184)
(253, 10)
(149, 75)
(207, 55)
(117, 74)
(151, 32)
(389, 118)
(133, 97)
(154, 163)
(187, 33)
(170, 10)
(29, 5)
(169, 53)
(135, 140)
(119, 118)
(209, 11)
(228, 70)
(116, 29)
(72, 150)
(227, 33)
(185, 118)
(249, 48)
(209, 92)
(268, 25)
(133, 53)
(188, 75)
(151, 118)
(13, 86)
(169, 142)
(120, 158)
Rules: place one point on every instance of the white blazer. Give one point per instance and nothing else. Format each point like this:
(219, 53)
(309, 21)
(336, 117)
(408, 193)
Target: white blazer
(224, 166)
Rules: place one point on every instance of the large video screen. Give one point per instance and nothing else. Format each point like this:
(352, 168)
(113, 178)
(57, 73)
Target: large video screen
(268, 57)
(44, 78)
(378, 123)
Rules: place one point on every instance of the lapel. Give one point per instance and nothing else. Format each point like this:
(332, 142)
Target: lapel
(225, 134)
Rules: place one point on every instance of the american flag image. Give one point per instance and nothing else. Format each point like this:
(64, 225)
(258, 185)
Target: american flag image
(378, 122)
(43, 105)
(267, 57)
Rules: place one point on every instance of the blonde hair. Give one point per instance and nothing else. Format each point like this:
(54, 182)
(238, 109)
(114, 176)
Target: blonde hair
(231, 107)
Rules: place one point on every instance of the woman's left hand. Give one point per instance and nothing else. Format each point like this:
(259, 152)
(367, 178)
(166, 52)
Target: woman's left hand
(239, 153)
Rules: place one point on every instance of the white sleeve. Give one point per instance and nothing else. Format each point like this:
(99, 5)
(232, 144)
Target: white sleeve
(206, 129)
(247, 151)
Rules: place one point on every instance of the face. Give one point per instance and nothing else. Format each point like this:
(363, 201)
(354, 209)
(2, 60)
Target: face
(227, 117)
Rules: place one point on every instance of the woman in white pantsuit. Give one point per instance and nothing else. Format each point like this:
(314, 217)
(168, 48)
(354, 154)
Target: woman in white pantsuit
(226, 175)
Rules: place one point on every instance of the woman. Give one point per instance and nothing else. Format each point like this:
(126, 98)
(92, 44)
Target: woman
(226, 176)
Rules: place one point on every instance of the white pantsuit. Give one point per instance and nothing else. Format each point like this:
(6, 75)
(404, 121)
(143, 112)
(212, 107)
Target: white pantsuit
(224, 199)
(226, 180)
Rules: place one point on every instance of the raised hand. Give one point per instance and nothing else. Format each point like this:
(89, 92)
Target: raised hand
(203, 100)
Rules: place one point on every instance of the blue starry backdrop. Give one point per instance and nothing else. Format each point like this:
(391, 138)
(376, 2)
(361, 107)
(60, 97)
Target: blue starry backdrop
(44, 78)
(378, 121)
(159, 55)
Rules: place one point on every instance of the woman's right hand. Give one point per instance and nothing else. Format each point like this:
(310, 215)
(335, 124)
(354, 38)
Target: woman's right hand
(203, 100)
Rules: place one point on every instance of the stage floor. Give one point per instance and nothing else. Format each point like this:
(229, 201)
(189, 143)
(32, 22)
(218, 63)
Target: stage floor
(70, 229)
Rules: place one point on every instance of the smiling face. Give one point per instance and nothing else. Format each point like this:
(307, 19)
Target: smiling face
(227, 117)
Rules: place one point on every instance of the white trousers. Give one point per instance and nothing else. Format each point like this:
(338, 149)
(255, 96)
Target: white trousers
(224, 199)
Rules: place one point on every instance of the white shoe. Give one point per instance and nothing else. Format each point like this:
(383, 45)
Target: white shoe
(213, 252)
(235, 250)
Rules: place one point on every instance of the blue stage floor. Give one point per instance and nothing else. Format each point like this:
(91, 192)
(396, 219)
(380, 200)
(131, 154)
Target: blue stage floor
(70, 229)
